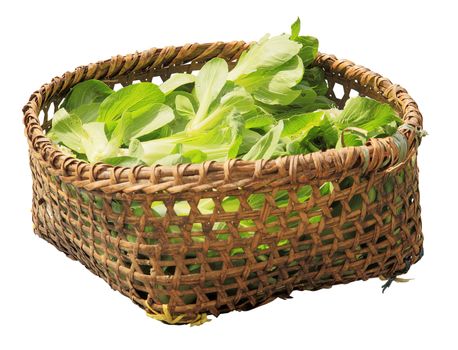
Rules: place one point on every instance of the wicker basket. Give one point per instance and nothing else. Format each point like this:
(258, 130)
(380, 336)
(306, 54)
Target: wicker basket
(101, 215)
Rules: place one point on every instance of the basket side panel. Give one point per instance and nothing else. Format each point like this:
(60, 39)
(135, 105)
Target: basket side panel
(242, 250)
(44, 218)
(307, 236)
(55, 215)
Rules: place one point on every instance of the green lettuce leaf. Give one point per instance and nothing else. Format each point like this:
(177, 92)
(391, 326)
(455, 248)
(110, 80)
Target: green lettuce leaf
(96, 145)
(234, 102)
(314, 77)
(249, 139)
(215, 143)
(175, 81)
(302, 123)
(258, 120)
(135, 149)
(310, 132)
(89, 139)
(265, 147)
(267, 53)
(142, 120)
(192, 156)
(128, 98)
(352, 136)
(365, 113)
(68, 129)
(309, 44)
(86, 92)
(123, 161)
(237, 129)
(309, 49)
(184, 106)
(295, 29)
(274, 86)
(209, 83)
(87, 112)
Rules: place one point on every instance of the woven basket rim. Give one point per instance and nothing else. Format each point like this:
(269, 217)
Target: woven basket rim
(378, 154)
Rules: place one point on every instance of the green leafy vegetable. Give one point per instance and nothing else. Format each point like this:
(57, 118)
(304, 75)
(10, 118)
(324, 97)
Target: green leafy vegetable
(68, 129)
(87, 92)
(265, 147)
(175, 81)
(363, 118)
(216, 144)
(235, 102)
(143, 120)
(295, 29)
(275, 86)
(95, 144)
(184, 106)
(128, 99)
(87, 112)
(209, 83)
(302, 123)
(272, 103)
(123, 161)
(366, 114)
(267, 53)
(258, 120)
(88, 139)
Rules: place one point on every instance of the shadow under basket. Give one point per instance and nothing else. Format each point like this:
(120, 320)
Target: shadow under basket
(187, 263)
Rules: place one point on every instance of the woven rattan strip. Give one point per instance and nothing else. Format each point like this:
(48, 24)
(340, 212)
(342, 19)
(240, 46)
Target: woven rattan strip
(180, 267)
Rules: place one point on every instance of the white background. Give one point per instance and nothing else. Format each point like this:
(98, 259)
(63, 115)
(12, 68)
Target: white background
(51, 302)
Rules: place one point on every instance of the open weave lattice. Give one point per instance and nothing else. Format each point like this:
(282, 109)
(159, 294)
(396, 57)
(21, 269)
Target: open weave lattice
(189, 262)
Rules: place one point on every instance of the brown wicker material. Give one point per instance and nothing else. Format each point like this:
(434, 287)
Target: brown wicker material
(85, 210)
